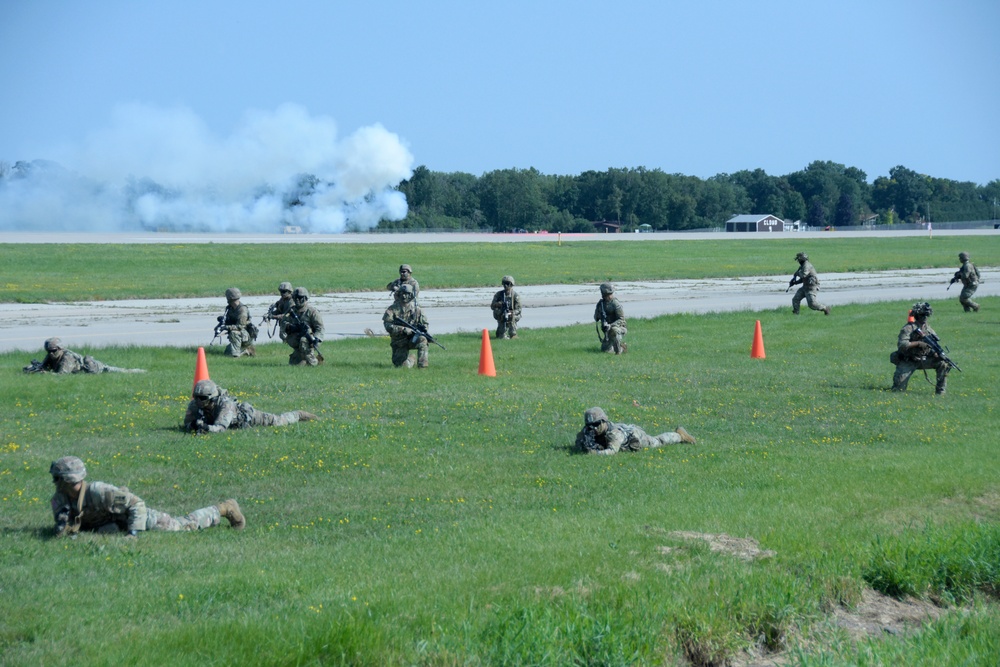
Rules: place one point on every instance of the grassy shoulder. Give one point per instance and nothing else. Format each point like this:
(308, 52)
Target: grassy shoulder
(438, 517)
(77, 272)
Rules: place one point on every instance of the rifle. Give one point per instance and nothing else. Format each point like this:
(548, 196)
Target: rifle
(791, 284)
(35, 366)
(934, 343)
(954, 279)
(299, 328)
(601, 335)
(417, 329)
(508, 307)
(219, 328)
(272, 315)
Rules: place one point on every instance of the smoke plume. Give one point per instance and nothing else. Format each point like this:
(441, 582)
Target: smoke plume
(162, 169)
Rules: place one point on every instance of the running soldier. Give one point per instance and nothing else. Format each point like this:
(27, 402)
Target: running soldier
(405, 278)
(304, 330)
(401, 338)
(62, 361)
(611, 315)
(236, 322)
(806, 276)
(506, 308)
(103, 508)
(213, 410)
(968, 275)
(602, 436)
(912, 353)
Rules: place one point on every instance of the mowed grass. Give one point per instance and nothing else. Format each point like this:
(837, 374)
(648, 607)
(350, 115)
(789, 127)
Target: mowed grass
(440, 518)
(40, 273)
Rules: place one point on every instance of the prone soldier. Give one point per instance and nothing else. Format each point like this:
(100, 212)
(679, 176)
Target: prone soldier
(602, 436)
(62, 361)
(213, 410)
(99, 507)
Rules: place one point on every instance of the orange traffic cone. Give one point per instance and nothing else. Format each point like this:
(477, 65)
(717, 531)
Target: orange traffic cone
(757, 349)
(486, 366)
(200, 369)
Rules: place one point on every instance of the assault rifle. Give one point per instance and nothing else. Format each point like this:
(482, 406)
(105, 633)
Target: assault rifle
(508, 308)
(35, 366)
(299, 328)
(417, 329)
(934, 343)
(791, 283)
(220, 327)
(954, 279)
(272, 315)
(602, 330)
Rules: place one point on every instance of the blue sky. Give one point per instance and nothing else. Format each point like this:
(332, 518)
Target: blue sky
(697, 88)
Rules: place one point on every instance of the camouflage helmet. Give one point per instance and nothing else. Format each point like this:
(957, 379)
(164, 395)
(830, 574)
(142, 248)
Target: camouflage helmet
(801, 257)
(922, 309)
(233, 293)
(406, 268)
(963, 256)
(404, 290)
(53, 344)
(205, 389)
(285, 287)
(594, 416)
(68, 469)
(507, 280)
(607, 288)
(300, 293)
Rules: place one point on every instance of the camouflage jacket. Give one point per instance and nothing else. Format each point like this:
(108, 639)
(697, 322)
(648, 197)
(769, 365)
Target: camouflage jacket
(99, 505)
(306, 315)
(399, 282)
(497, 305)
(407, 312)
(612, 311)
(907, 335)
(968, 274)
(807, 275)
(70, 362)
(223, 412)
(615, 439)
(238, 317)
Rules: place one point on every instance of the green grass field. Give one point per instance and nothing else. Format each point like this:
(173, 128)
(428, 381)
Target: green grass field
(440, 518)
(39, 273)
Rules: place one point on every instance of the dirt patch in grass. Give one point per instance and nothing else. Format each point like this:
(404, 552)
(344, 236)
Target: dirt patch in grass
(879, 615)
(744, 548)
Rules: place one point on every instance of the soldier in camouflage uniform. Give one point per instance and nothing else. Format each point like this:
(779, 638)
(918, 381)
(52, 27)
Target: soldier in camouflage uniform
(912, 354)
(506, 306)
(968, 275)
(611, 315)
(103, 508)
(62, 361)
(303, 330)
(602, 436)
(213, 410)
(402, 339)
(278, 311)
(806, 276)
(405, 278)
(238, 326)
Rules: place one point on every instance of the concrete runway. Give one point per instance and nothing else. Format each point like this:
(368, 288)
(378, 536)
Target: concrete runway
(189, 322)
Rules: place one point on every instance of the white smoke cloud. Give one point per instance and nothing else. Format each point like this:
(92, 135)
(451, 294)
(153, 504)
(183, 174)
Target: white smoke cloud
(156, 168)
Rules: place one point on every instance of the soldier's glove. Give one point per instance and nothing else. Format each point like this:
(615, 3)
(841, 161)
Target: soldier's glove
(200, 426)
(316, 341)
(606, 326)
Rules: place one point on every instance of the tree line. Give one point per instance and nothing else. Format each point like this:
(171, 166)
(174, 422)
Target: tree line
(824, 193)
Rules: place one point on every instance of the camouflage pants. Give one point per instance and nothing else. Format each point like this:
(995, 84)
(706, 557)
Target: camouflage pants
(303, 353)
(810, 296)
(506, 328)
(401, 352)
(965, 298)
(614, 339)
(206, 517)
(239, 340)
(251, 416)
(905, 368)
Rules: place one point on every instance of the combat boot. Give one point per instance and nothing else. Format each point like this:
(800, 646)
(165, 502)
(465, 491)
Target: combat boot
(306, 416)
(685, 436)
(826, 310)
(230, 510)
